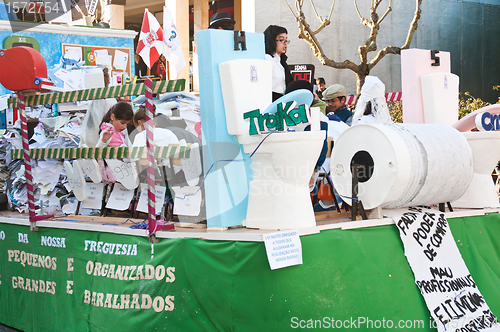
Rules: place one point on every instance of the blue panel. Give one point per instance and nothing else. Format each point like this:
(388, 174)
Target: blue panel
(226, 188)
(51, 50)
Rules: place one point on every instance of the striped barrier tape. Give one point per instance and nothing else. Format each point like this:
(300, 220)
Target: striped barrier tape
(391, 96)
(170, 151)
(100, 93)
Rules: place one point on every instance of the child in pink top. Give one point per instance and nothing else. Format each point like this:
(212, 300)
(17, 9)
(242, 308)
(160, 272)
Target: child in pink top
(114, 123)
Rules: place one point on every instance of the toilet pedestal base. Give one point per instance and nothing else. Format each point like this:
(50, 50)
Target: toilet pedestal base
(276, 205)
(480, 194)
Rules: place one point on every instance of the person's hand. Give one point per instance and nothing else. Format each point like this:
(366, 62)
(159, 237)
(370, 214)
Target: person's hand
(106, 135)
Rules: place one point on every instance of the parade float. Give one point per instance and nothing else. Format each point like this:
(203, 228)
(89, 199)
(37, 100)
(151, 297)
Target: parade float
(264, 260)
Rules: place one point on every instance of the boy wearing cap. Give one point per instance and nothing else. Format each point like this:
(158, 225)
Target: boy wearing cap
(335, 97)
(222, 20)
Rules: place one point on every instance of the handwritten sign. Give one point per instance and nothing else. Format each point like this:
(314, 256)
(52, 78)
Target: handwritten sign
(451, 295)
(91, 168)
(160, 191)
(187, 200)
(125, 173)
(120, 198)
(94, 193)
(76, 180)
(283, 249)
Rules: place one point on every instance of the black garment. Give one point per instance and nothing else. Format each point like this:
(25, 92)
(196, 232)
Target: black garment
(288, 75)
(276, 95)
(141, 70)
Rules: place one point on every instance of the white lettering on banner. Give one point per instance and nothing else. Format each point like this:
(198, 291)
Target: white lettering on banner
(30, 285)
(26, 258)
(130, 272)
(441, 275)
(53, 241)
(123, 301)
(111, 248)
(283, 249)
(2, 235)
(23, 238)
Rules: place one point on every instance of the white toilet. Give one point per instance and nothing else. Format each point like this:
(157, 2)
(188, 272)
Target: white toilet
(481, 193)
(283, 164)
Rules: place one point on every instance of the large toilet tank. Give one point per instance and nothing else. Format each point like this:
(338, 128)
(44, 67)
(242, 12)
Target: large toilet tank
(246, 86)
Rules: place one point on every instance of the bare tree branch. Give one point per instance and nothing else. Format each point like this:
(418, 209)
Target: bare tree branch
(389, 9)
(296, 19)
(370, 45)
(315, 11)
(364, 21)
(409, 36)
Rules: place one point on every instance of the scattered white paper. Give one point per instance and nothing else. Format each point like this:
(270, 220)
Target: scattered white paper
(39, 133)
(47, 173)
(94, 196)
(73, 79)
(4, 101)
(120, 61)
(73, 52)
(102, 58)
(142, 206)
(283, 248)
(70, 206)
(187, 200)
(120, 198)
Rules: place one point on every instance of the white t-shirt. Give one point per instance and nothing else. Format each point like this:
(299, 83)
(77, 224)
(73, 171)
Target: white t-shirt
(163, 137)
(279, 84)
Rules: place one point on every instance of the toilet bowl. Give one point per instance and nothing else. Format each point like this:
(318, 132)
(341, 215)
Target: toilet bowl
(279, 195)
(481, 192)
(282, 162)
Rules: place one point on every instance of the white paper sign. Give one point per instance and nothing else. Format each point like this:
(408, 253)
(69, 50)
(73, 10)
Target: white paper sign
(142, 206)
(120, 60)
(94, 196)
(441, 275)
(76, 180)
(73, 52)
(187, 201)
(283, 248)
(4, 101)
(120, 198)
(125, 173)
(91, 168)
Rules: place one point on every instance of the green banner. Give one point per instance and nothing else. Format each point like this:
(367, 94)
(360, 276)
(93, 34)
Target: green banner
(67, 280)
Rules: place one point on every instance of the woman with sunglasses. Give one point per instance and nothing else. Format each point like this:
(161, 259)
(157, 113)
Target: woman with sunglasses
(276, 43)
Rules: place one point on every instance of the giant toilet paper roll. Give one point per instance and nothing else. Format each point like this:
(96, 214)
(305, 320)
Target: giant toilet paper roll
(402, 164)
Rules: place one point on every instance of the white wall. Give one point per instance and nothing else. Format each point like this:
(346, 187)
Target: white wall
(341, 38)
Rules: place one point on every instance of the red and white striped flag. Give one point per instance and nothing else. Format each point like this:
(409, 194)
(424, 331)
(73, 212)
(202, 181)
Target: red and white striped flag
(150, 44)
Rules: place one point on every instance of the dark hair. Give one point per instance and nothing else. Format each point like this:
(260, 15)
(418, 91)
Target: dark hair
(368, 108)
(121, 110)
(320, 80)
(270, 35)
(140, 114)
